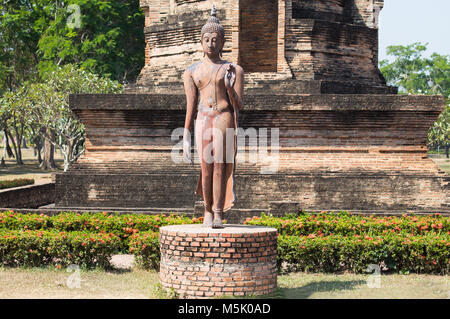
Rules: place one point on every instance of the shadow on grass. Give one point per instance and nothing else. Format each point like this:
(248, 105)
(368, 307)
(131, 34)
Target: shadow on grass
(305, 291)
(313, 287)
(18, 171)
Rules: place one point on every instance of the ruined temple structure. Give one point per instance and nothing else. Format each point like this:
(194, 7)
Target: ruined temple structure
(347, 141)
(304, 46)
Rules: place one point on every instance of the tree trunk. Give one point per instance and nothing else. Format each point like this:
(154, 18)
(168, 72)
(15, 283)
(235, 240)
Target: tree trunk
(16, 147)
(37, 148)
(48, 159)
(447, 148)
(69, 158)
(8, 151)
(24, 143)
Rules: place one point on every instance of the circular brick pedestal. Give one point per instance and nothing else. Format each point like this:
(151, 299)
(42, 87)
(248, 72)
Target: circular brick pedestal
(201, 262)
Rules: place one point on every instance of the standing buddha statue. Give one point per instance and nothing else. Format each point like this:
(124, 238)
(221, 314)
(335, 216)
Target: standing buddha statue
(215, 87)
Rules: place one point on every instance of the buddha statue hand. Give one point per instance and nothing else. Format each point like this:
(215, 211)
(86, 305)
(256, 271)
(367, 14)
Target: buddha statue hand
(230, 76)
(187, 147)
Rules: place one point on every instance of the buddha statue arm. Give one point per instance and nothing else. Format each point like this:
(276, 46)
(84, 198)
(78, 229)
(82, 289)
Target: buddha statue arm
(191, 102)
(191, 98)
(235, 88)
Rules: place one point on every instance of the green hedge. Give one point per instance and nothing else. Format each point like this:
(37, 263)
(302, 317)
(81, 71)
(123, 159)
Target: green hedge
(394, 252)
(120, 225)
(16, 182)
(145, 248)
(308, 242)
(346, 224)
(32, 248)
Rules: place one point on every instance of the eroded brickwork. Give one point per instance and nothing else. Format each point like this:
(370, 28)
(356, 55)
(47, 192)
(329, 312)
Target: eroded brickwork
(199, 263)
(258, 50)
(354, 152)
(289, 40)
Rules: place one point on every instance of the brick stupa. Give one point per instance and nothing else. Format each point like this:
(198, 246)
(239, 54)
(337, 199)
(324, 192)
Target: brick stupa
(347, 140)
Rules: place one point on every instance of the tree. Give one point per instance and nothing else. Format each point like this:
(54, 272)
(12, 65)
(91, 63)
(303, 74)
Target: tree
(21, 23)
(37, 37)
(14, 107)
(415, 74)
(40, 34)
(50, 107)
(104, 37)
(439, 133)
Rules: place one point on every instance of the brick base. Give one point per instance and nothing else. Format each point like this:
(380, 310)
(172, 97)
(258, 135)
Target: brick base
(200, 262)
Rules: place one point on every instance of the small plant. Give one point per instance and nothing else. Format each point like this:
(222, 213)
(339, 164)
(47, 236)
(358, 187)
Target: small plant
(163, 293)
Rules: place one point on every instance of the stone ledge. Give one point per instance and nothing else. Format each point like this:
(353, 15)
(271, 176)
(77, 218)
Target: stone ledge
(200, 230)
(265, 102)
(29, 196)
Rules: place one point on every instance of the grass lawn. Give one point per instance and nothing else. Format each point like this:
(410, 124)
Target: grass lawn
(135, 283)
(442, 161)
(30, 169)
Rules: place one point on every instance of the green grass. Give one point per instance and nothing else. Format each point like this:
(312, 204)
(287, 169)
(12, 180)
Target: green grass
(135, 283)
(442, 161)
(30, 169)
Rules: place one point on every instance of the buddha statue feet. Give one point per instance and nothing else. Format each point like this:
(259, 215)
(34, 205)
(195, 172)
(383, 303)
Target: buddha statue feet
(217, 222)
(208, 219)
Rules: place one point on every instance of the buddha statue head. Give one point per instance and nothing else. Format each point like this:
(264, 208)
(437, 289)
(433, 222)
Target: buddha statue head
(213, 35)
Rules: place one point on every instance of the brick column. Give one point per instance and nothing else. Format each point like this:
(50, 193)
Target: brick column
(200, 262)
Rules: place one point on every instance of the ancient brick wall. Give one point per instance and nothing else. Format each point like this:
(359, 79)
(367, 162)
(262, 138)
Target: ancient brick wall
(258, 35)
(327, 40)
(336, 152)
(29, 196)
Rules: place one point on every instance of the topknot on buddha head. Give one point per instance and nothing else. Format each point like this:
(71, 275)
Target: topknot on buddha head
(213, 25)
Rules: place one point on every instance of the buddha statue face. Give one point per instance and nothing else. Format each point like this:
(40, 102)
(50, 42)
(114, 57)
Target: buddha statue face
(213, 36)
(212, 44)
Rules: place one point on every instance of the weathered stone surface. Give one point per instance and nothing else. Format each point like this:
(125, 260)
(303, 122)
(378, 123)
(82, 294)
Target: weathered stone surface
(29, 196)
(335, 41)
(355, 152)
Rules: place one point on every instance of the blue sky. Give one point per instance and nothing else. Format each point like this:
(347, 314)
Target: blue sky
(408, 21)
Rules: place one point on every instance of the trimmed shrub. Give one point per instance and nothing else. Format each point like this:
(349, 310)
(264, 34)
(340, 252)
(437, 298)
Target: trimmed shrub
(145, 247)
(16, 182)
(16, 221)
(122, 226)
(31, 248)
(336, 253)
(346, 224)
(323, 242)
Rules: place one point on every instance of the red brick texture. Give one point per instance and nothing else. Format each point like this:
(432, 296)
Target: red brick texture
(308, 40)
(353, 152)
(199, 262)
